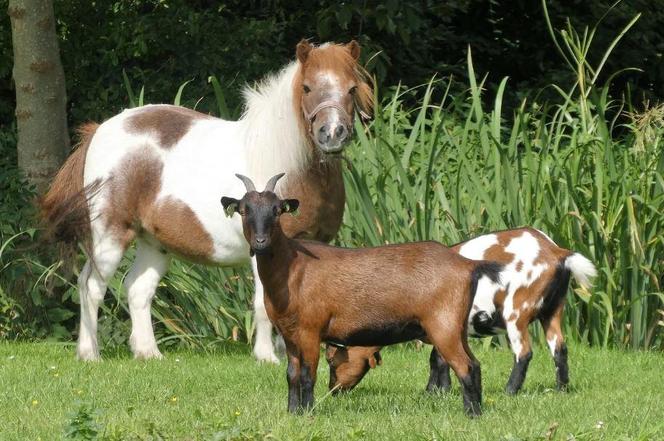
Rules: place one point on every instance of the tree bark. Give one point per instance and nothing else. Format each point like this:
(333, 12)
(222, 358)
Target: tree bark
(43, 139)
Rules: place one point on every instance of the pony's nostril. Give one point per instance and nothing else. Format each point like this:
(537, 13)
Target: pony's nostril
(324, 135)
(340, 132)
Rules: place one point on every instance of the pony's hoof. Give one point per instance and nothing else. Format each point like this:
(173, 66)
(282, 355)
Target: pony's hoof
(88, 354)
(266, 356)
(148, 354)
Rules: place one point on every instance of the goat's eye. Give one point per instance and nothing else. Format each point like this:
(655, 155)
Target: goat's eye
(352, 90)
(306, 88)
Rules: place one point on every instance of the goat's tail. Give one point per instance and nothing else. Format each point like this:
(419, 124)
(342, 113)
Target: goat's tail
(582, 269)
(64, 210)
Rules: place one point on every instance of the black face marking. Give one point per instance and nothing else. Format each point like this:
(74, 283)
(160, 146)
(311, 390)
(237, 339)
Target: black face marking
(518, 375)
(381, 335)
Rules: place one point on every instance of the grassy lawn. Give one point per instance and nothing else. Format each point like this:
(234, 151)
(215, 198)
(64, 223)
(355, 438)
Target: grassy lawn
(45, 393)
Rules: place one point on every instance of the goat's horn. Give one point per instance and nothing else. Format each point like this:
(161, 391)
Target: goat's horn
(273, 182)
(247, 182)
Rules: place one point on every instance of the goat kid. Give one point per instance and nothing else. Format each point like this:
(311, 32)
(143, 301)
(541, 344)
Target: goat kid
(533, 286)
(366, 296)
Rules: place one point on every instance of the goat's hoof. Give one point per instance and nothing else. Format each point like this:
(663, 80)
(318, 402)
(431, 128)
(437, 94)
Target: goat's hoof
(511, 391)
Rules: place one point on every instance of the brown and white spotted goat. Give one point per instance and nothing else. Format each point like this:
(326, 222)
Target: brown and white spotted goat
(366, 296)
(532, 287)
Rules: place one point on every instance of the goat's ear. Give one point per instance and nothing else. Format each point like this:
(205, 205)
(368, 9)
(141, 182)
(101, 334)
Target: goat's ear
(290, 206)
(230, 205)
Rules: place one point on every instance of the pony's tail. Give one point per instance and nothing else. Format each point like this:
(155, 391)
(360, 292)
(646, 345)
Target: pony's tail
(64, 210)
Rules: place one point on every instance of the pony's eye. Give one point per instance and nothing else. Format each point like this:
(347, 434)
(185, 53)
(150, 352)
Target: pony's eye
(306, 88)
(352, 90)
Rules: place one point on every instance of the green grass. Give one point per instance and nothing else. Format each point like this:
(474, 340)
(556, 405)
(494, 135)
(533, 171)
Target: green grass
(227, 395)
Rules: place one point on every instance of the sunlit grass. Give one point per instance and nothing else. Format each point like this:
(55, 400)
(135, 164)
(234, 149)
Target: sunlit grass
(193, 395)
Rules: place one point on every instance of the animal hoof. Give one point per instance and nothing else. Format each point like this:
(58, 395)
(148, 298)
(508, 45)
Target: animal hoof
(88, 354)
(264, 351)
(267, 357)
(148, 354)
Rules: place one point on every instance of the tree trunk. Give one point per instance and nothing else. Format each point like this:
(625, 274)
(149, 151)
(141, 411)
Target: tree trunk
(43, 140)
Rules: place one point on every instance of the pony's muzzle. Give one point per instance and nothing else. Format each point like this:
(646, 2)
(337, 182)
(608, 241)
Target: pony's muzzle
(332, 137)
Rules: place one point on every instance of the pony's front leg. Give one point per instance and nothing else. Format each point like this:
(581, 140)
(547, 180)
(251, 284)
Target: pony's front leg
(263, 348)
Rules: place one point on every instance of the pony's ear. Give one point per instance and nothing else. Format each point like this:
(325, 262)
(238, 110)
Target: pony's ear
(290, 206)
(230, 205)
(354, 49)
(302, 50)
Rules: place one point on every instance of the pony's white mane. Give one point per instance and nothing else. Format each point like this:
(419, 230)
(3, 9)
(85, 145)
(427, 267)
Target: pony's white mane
(275, 142)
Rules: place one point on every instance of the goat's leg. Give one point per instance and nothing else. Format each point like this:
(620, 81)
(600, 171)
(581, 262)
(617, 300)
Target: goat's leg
(107, 252)
(293, 379)
(554, 337)
(263, 347)
(310, 345)
(451, 347)
(517, 331)
(439, 375)
(149, 267)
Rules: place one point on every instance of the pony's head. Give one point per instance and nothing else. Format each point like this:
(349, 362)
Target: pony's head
(329, 87)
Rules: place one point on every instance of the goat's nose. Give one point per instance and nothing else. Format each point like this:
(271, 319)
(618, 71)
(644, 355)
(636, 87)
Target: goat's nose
(261, 240)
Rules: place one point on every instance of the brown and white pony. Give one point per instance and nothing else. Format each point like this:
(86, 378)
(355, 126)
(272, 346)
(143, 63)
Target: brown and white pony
(533, 286)
(154, 174)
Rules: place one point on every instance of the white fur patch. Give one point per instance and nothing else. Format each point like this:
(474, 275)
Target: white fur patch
(582, 269)
(515, 337)
(552, 344)
(273, 141)
(475, 248)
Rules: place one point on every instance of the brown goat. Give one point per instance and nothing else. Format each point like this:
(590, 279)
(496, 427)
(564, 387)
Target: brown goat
(367, 296)
(534, 282)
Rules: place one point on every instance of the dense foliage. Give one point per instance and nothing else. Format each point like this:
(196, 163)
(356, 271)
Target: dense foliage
(163, 43)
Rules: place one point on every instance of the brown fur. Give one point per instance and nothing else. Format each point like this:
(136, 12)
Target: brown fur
(168, 123)
(134, 210)
(321, 190)
(350, 367)
(315, 292)
(341, 59)
(64, 209)
(176, 227)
